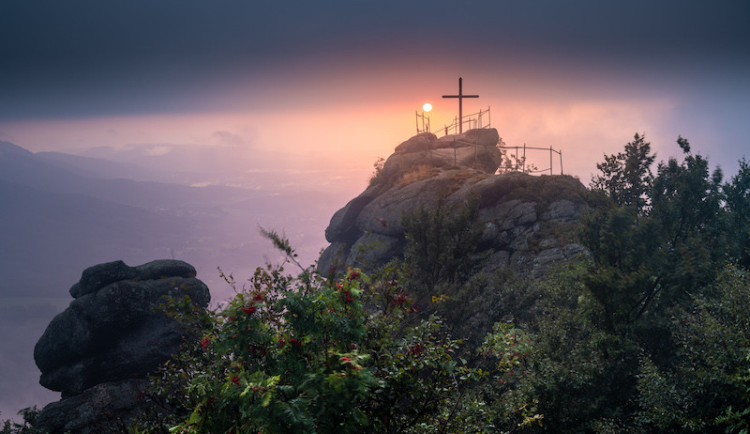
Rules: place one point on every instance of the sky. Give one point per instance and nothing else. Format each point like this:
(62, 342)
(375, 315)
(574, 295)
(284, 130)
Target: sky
(342, 80)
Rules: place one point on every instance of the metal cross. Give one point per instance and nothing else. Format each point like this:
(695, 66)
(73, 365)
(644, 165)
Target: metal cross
(460, 97)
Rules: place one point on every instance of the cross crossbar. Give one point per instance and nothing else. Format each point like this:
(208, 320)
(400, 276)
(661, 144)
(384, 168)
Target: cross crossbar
(460, 97)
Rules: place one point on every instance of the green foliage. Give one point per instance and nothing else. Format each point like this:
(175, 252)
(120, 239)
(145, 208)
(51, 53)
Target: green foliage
(737, 196)
(706, 389)
(514, 404)
(648, 259)
(656, 244)
(441, 243)
(626, 177)
(574, 371)
(377, 177)
(282, 358)
(441, 259)
(303, 354)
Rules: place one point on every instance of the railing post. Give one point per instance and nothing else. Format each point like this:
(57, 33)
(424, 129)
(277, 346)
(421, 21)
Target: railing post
(561, 167)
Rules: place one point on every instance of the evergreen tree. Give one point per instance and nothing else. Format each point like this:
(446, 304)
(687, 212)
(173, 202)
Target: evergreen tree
(626, 177)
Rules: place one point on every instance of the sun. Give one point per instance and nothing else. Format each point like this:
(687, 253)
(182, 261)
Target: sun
(427, 107)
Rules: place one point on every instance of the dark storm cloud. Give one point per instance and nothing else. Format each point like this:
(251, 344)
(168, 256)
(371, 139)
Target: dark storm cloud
(84, 56)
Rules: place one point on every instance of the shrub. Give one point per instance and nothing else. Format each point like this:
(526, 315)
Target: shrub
(305, 354)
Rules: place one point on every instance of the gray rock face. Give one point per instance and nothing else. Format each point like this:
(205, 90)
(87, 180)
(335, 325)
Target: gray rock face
(113, 332)
(343, 221)
(420, 142)
(523, 216)
(382, 215)
(104, 408)
(373, 248)
(101, 275)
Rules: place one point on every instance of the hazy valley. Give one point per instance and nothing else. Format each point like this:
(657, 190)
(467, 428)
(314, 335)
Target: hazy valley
(62, 213)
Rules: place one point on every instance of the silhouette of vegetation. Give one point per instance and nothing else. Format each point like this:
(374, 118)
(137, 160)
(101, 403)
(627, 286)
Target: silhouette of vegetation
(26, 426)
(377, 176)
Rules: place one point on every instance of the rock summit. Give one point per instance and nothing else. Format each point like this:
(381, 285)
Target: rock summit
(524, 217)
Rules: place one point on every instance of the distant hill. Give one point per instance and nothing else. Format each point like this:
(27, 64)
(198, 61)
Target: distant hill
(102, 168)
(63, 212)
(239, 166)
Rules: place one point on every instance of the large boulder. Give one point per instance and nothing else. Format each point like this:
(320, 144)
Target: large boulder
(420, 142)
(113, 332)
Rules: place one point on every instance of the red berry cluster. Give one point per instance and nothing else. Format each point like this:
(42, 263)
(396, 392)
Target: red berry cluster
(345, 293)
(257, 298)
(415, 349)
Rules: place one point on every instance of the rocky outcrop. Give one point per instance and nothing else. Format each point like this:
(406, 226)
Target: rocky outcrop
(526, 219)
(98, 351)
(474, 149)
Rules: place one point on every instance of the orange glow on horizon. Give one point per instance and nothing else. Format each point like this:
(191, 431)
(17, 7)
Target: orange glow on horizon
(354, 136)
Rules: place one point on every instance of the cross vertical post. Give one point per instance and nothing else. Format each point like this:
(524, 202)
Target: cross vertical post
(460, 97)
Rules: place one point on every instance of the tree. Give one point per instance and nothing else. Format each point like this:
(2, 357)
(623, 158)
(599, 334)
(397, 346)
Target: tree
(686, 208)
(648, 259)
(26, 427)
(626, 177)
(441, 242)
(737, 196)
(655, 241)
(575, 373)
(708, 387)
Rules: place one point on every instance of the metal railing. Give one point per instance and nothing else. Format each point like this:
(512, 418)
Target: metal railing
(519, 163)
(481, 119)
(423, 122)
